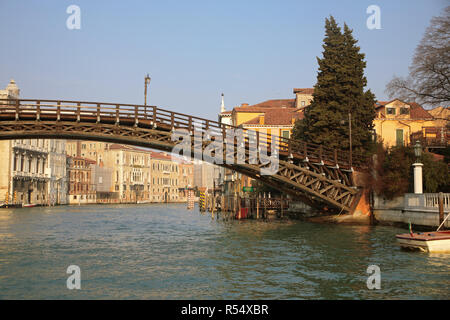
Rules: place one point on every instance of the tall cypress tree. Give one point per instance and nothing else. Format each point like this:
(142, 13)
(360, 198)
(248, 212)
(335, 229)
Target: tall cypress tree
(339, 91)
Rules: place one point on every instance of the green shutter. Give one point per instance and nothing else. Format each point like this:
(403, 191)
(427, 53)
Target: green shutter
(399, 134)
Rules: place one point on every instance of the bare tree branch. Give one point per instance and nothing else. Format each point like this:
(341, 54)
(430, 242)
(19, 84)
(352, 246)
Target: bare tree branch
(428, 82)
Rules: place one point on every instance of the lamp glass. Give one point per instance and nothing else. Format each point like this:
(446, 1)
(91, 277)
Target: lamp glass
(418, 149)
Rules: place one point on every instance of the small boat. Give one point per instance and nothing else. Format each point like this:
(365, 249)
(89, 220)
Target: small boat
(433, 241)
(29, 205)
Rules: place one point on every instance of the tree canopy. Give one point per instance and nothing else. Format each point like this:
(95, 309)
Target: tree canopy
(339, 91)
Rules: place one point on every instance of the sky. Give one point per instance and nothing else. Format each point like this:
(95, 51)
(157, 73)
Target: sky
(251, 51)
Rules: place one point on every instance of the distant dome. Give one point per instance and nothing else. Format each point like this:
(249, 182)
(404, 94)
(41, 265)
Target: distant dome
(13, 89)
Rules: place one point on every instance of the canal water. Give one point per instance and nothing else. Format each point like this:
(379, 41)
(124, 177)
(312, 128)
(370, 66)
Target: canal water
(160, 251)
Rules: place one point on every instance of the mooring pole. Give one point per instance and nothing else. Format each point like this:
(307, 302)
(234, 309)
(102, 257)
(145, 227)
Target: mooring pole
(441, 208)
(257, 206)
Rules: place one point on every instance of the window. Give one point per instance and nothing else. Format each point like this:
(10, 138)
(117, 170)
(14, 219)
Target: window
(303, 103)
(285, 134)
(390, 111)
(404, 110)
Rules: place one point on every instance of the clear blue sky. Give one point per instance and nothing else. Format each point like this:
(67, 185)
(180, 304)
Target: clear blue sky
(195, 50)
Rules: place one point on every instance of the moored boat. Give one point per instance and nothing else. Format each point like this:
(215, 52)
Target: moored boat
(29, 205)
(434, 241)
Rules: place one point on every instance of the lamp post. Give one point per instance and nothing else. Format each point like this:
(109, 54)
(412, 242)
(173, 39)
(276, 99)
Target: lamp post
(349, 137)
(147, 82)
(418, 183)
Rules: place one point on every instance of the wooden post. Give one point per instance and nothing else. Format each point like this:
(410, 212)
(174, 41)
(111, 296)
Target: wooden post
(213, 206)
(265, 207)
(282, 210)
(17, 109)
(38, 111)
(58, 111)
(239, 206)
(257, 206)
(98, 112)
(441, 208)
(78, 112)
(136, 116)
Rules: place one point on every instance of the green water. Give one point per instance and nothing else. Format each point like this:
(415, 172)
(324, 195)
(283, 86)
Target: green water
(166, 252)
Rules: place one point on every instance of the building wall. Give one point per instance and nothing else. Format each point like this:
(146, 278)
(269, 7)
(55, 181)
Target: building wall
(206, 175)
(394, 123)
(29, 172)
(185, 179)
(165, 179)
(89, 149)
(131, 174)
(81, 187)
(58, 174)
(5, 176)
(302, 100)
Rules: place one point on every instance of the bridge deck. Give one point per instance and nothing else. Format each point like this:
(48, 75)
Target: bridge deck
(151, 117)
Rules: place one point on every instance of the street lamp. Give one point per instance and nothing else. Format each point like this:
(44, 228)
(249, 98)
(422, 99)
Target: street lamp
(418, 149)
(418, 184)
(147, 82)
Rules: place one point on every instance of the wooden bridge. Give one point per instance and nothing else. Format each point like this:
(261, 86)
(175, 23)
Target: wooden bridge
(313, 173)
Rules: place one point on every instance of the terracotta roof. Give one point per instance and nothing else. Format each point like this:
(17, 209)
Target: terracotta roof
(161, 156)
(304, 90)
(280, 103)
(417, 112)
(381, 103)
(275, 116)
(225, 112)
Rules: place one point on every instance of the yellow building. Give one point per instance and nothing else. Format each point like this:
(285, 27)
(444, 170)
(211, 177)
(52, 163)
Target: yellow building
(165, 178)
(274, 117)
(131, 174)
(397, 120)
(89, 149)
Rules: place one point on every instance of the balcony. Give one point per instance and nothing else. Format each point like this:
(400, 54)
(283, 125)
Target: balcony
(432, 137)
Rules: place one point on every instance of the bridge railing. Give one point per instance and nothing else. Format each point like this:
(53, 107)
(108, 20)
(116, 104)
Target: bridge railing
(140, 115)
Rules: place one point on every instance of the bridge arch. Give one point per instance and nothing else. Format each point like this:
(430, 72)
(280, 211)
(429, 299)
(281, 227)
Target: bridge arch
(312, 173)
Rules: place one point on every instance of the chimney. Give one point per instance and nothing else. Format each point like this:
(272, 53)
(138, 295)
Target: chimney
(261, 119)
(244, 105)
